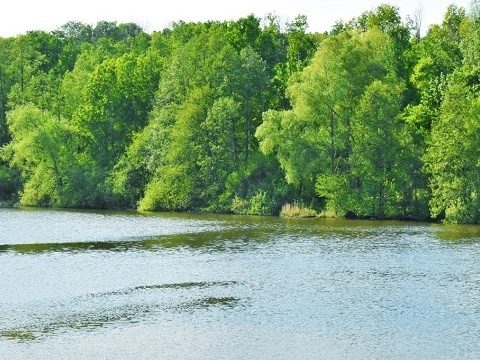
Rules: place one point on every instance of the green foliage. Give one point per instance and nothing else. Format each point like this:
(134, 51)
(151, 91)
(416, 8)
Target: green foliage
(8, 183)
(38, 150)
(376, 162)
(290, 140)
(259, 204)
(336, 191)
(242, 116)
(240, 206)
(173, 186)
(452, 156)
(173, 190)
(258, 189)
(387, 19)
(140, 161)
(6, 82)
(314, 138)
(301, 46)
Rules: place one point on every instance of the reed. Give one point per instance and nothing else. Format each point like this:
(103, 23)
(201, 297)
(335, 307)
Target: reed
(298, 210)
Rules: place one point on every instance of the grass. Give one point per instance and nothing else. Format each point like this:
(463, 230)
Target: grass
(330, 214)
(297, 210)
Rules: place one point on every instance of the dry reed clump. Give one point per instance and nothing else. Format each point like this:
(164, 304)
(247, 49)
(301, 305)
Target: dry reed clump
(297, 209)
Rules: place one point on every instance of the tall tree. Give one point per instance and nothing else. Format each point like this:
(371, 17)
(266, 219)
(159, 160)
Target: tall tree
(174, 187)
(387, 18)
(314, 139)
(452, 155)
(6, 82)
(252, 91)
(378, 171)
(301, 45)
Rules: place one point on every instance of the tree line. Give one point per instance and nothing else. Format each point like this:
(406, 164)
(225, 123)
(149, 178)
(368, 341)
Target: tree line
(368, 120)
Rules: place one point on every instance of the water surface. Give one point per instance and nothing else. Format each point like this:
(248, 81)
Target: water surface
(123, 285)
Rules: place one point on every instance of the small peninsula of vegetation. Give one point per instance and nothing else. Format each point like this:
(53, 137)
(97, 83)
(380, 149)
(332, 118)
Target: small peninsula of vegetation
(370, 119)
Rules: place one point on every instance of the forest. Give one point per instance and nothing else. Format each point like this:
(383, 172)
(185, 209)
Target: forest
(371, 119)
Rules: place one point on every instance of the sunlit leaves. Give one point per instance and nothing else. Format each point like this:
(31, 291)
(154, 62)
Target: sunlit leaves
(40, 151)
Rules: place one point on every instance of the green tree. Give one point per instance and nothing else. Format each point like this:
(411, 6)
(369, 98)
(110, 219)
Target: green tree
(244, 32)
(442, 44)
(294, 144)
(387, 18)
(219, 157)
(35, 68)
(314, 138)
(174, 186)
(378, 171)
(251, 89)
(272, 45)
(301, 45)
(6, 82)
(452, 155)
(116, 102)
(38, 149)
(141, 161)
(73, 36)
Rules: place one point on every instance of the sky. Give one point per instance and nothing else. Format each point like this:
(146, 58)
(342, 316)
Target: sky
(20, 16)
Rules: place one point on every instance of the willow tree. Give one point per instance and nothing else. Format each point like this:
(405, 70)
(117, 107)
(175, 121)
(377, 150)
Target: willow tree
(39, 148)
(313, 140)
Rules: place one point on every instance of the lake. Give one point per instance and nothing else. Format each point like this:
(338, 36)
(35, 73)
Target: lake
(126, 285)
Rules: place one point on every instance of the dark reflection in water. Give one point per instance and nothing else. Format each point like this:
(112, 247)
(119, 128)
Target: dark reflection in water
(212, 241)
(124, 285)
(458, 233)
(105, 308)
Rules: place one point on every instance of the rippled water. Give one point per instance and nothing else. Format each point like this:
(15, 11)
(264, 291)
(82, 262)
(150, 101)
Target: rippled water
(117, 285)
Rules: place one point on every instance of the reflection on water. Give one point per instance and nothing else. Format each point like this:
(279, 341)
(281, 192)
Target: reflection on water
(180, 286)
(103, 308)
(459, 233)
(207, 240)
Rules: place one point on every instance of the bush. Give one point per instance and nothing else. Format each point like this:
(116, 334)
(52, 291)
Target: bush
(258, 204)
(261, 204)
(239, 206)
